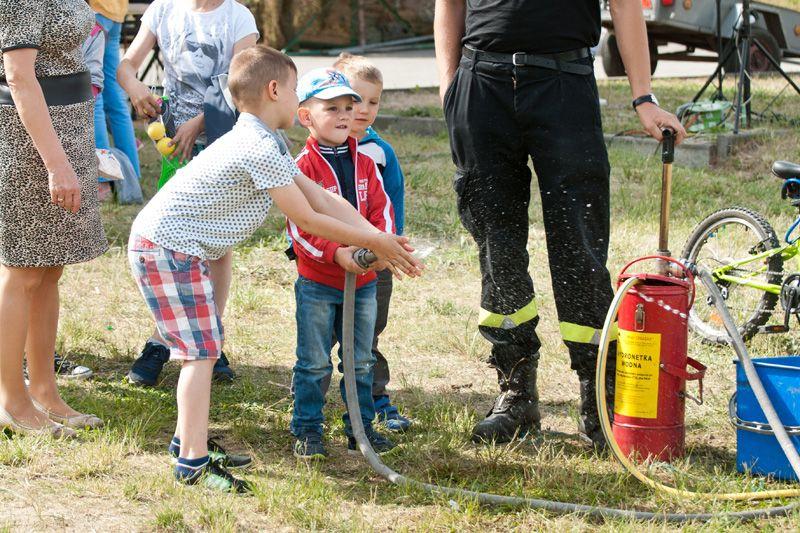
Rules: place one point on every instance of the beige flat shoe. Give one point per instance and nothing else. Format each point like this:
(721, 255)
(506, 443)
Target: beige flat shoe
(79, 421)
(55, 430)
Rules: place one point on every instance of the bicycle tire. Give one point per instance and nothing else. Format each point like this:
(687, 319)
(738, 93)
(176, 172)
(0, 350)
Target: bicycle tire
(766, 303)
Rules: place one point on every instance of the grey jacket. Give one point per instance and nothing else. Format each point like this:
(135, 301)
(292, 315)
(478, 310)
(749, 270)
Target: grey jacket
(93, 50)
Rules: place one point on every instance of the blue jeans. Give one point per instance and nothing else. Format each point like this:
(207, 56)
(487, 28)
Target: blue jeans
(319, 316)
(111, 105)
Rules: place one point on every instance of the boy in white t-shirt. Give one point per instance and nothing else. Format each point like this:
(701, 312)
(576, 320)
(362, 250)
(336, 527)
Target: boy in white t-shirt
(197, 41)
(218, 200)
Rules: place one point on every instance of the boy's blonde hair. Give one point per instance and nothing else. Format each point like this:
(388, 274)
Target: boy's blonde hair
(252, 69)
(358, 67)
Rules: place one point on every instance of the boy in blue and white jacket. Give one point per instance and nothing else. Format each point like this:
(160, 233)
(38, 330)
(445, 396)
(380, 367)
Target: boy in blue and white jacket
(394, 182)
(367, 81)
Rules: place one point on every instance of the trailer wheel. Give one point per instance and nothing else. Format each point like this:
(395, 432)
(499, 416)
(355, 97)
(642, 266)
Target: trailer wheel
(609, 53)
(653, 55)
(758, 61)
(612, 59)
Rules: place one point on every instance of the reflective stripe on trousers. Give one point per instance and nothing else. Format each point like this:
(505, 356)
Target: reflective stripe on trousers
(496, 320)
(583, 334)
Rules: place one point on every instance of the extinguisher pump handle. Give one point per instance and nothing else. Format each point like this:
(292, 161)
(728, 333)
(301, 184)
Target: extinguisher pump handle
(667, 146)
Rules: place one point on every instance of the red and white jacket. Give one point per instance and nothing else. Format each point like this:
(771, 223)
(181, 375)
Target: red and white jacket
(315, 254)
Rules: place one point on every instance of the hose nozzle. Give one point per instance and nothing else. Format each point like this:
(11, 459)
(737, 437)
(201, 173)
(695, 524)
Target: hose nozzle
(364, 258)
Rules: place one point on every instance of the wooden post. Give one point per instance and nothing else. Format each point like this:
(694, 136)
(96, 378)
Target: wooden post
(362, 24)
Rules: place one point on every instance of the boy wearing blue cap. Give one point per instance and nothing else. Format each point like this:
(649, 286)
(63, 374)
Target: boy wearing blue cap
(331, 159)
(367, 81)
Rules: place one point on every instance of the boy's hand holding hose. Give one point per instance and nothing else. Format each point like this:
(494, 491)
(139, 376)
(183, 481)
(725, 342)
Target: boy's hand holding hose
(299, 204)
(395, 252)
(344, 258)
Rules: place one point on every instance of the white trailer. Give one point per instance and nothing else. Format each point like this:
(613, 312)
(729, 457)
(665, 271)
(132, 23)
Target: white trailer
(693, 24)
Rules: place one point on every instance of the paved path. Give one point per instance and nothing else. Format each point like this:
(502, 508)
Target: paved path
(407, 70)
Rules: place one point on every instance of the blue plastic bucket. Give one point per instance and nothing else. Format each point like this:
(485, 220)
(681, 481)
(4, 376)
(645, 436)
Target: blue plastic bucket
(757, 450)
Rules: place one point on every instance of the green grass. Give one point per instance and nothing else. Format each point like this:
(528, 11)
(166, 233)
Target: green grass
(120, 477)
(169, 520)
(774, 102)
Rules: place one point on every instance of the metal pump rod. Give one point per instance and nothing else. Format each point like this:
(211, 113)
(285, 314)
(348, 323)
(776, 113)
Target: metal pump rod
(667, 157)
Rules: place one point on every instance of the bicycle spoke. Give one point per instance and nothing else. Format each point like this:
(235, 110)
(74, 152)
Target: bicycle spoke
(731, 240)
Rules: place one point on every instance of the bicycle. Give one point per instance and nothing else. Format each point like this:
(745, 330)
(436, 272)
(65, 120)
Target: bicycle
(741, 250)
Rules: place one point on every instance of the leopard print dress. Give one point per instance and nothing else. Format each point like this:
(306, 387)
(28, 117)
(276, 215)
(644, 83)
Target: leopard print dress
(33, 231)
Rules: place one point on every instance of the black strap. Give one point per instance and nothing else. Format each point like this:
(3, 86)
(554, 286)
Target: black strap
(558, 61)
(58, 90)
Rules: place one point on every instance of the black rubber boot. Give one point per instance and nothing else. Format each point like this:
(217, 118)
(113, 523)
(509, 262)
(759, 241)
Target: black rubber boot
(589, 421)
(516, 411)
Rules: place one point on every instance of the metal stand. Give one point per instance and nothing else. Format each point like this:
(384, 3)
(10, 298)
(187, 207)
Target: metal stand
(721, 60)
(743, 92)
(745, 38)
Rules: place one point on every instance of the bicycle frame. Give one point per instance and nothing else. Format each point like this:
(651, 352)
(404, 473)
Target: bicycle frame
(787, 251)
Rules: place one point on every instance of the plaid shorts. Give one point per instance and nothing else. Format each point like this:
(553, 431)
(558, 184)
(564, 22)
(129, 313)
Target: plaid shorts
(179, 293)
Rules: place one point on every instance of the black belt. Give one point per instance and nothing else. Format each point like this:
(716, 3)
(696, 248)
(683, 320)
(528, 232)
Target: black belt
(559, 61)
(58, 90)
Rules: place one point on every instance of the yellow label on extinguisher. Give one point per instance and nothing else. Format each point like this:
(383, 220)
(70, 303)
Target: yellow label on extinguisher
(638, 358)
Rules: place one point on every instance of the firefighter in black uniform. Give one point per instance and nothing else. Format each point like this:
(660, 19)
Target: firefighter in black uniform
(517, 82)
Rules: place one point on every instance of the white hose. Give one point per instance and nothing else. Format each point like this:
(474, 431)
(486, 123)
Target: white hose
(351, 394)
(752, 376)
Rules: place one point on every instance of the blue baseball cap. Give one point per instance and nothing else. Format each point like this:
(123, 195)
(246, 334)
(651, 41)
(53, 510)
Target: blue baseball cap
(324, 83)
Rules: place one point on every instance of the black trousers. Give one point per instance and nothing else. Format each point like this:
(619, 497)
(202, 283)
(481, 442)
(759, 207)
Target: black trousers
(498, 116)
(383, 294)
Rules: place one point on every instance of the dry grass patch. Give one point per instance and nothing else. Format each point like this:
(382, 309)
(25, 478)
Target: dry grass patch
(119, 478)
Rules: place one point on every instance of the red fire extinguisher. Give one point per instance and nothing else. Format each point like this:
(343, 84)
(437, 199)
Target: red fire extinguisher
(652, 360)
(651, 374)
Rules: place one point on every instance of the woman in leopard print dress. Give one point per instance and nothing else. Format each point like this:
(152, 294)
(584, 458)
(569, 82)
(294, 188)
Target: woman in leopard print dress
(49, 212)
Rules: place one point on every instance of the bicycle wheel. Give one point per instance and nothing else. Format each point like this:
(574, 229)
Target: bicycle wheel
(726, 236)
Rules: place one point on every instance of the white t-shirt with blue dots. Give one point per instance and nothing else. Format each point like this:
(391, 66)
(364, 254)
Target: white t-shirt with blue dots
(222, 196)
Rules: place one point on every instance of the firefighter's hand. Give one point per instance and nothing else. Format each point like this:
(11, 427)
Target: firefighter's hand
(444, 83)
(344, 258)
(654, 119)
